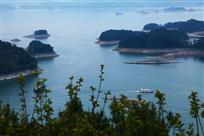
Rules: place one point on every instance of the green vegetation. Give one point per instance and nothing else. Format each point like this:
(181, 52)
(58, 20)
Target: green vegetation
(170, 35)
(127, 117)
(37, 47)
(159, 38)
(117, 35)
(191, 25)
(200, 44)
(14, 59)
(41, 32)
(152, 26)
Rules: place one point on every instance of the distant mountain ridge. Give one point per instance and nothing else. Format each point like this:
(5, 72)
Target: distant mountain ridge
(95, 4)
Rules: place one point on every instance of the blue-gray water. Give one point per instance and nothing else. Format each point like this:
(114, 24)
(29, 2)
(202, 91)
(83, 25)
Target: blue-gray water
(73, 33)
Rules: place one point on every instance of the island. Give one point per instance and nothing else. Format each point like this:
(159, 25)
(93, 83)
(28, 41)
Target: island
(193, 28)
(142, 12)
(15, 40)
(39, 34)
(159, 38)
(189, 26)
(112, 37)
(162, 42)
(152, 26)
(177, 9)
(40, 50)
(178, 39)
(15, 61)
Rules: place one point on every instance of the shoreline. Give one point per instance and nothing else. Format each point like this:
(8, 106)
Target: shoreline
(107, 43)
(152, 62)
(164, 53)
(28, 72)
(37, 36)
(45, 55)
(17, 74)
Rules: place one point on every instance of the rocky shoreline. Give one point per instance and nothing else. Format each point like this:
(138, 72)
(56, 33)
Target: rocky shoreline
(46, 55)
(107, 43)
(152, 61)
(164, 53)
(37, 36)
(16, 75)
(29, 71)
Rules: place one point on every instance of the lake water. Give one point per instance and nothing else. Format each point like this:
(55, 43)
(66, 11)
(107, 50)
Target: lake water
(73, 33)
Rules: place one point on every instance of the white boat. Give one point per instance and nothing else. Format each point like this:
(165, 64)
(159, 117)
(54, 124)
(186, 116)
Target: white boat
(145, 90)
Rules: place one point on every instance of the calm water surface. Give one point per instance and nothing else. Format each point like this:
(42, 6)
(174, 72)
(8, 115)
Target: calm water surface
(73, 33)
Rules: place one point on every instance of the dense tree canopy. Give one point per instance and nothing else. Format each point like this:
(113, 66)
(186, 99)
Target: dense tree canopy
(191, 25)
(37, 47)
(14, 59)
(41, 32)
(151, 26)
(200, 44)
(116, 35)
(159, 38)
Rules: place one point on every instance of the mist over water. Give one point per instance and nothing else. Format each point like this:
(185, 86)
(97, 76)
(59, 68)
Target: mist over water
(73, 33)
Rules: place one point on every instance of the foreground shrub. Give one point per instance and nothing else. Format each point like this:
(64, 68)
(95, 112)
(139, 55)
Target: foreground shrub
(127, 117)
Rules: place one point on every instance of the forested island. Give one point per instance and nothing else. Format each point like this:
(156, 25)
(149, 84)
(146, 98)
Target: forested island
(188, 26)
(39, 34)
(192, 28)
(177, 9)
(41, 50)
(162, 42)
(15, 61)
(178, 39)
(15, 40)
(159, 38)
(152, 26)
(112, 37)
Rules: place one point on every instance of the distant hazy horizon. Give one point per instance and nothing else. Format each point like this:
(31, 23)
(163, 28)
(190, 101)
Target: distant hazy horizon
(51, 4)
(102, 0)
(99, 1)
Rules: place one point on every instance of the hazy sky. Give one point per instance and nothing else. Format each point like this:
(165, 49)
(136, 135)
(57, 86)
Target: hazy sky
(100, 0)
(34, 2)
